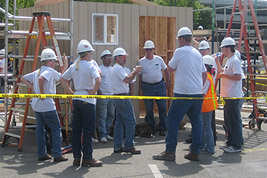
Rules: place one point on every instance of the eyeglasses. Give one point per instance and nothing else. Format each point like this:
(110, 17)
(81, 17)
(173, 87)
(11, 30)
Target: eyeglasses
(53, 60)
(108, 57)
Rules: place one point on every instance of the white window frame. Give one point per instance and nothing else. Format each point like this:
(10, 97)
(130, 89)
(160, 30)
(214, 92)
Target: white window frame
(105, 28)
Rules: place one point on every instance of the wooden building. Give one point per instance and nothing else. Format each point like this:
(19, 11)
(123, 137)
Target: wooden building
(109, 25)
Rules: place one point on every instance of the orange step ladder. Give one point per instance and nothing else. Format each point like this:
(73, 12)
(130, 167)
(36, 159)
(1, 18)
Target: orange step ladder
(40, 17)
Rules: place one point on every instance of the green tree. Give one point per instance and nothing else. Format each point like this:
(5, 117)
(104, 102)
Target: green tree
(200, 17)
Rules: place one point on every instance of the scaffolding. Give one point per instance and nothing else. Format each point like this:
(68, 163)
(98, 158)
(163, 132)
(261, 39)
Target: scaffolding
(19, 35)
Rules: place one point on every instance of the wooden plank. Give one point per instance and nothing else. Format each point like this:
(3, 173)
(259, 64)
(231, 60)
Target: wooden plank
(141, 35)
(161, 42)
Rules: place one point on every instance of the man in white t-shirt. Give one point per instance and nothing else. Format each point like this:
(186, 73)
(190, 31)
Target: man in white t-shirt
(43, 81)
(152, 84)
(105, 107)
(231, 76)
(2, 70)
(125, 119)
(86, 80)
(190, 75)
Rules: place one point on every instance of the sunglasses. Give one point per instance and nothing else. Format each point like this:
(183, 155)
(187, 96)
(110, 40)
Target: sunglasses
(149, 49)
(53, 60)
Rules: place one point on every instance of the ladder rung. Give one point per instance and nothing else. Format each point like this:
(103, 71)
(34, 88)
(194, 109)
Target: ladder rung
(237, 13)
(251, 38)
(24, 34)
(262, 79)
(262, 118)
(12, 135)
(28, 59)
(18, 110)
(12, 80)
(22, 84)
(253, 52)
(22, 115)
(265, 92)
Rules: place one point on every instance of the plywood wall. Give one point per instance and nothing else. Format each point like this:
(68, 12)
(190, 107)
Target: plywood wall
(128, 27)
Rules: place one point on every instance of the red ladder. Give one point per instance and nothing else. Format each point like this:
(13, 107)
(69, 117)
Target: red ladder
(244, 36)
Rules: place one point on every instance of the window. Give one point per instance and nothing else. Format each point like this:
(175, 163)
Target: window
(105, 29)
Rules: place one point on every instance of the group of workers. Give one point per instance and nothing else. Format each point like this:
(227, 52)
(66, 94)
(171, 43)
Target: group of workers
(195, 72)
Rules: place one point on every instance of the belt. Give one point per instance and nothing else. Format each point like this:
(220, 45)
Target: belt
(153, 83)
(122, 94)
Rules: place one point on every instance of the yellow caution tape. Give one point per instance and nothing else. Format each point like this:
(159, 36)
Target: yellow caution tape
(115, 97)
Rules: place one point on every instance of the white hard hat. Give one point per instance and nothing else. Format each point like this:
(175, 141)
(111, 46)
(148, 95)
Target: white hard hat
(106, 52)
(149, 45)
(2, 51)
(184, 31)
(207, 59)
(228, 41)
(48, 54)
(237, 53)
(119, 52)
(203, 45)
(200, 27)
(84, 46)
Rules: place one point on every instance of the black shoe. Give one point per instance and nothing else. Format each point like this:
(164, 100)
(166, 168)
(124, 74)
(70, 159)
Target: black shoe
(133, 151)
(189, 140)
(162, 133)
(45, 157)
(76, 162)
(60, 159)
(118, 151)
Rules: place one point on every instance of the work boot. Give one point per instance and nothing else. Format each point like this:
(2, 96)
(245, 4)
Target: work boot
(192, 156)
(45, 157)
(118, 151)
(76, 162)
(92, 163)
(60, 159)
(165, 156)
(133, 151)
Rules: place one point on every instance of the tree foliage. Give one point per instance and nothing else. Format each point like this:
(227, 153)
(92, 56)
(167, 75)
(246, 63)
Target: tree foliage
(200, 17)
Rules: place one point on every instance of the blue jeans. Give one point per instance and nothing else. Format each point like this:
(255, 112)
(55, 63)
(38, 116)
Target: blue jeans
(176, 113)
(51, 119)
(233, 122)
(105, 115)
(124, 119)
(207, 136)
(155, 90)
(83, 125)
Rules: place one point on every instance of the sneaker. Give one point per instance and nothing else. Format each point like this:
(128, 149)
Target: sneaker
(92, 163)
(110, 138)
(94, 140)
(133, 151)
(223, 146)
(232, 149)
(192, 156)
(45, 157)
(60, 159)
(103, 140)
(165, 156)
(76, 162)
